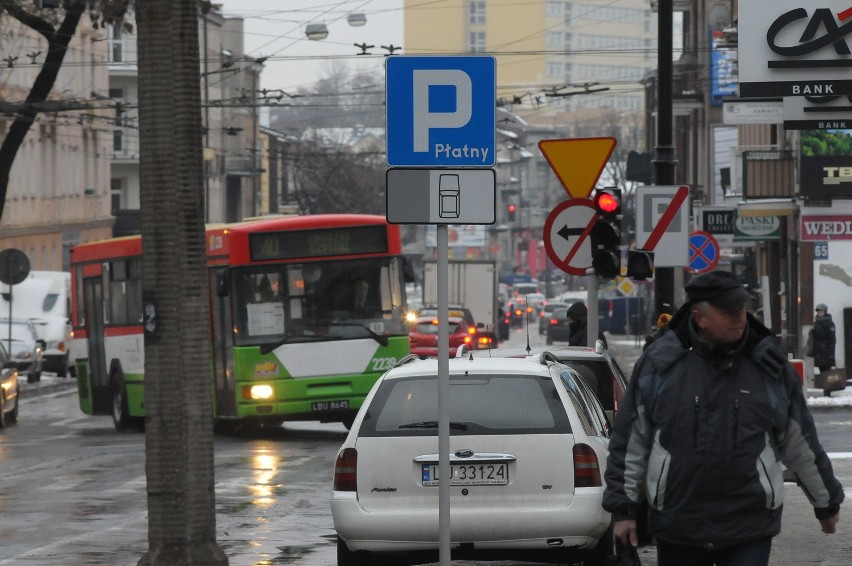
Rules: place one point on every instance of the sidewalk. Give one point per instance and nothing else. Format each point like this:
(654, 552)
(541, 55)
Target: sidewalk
(626, 350)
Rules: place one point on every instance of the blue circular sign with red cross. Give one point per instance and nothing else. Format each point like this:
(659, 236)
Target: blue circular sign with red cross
(703, 252)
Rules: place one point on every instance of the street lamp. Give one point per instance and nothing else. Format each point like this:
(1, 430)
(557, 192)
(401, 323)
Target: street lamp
(316, 32)
(357, 19)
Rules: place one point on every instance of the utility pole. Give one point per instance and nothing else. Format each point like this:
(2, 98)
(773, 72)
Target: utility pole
(664, 151)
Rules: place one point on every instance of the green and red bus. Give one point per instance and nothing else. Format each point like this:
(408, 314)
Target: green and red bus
(288, 342)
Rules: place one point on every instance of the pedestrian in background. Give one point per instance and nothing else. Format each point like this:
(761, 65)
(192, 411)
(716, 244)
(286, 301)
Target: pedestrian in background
(824, 340)
(658, 330)
(578, 325)
(711, 412)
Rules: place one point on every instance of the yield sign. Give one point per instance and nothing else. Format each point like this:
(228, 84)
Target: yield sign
(703, 252)
(578, 162)
(566, 235)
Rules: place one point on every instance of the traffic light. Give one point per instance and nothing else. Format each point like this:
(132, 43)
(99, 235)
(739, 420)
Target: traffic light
(606, 233)
(510, 212)
(640, 264)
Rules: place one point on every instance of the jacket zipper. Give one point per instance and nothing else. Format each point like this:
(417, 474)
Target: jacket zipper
(736, 419)
(695, 423)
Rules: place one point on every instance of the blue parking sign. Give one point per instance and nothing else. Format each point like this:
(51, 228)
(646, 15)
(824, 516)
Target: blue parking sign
(441, 111)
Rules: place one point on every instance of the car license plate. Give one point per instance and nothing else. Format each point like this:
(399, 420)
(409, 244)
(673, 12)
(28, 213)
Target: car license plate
(329, 405)
(469, 474)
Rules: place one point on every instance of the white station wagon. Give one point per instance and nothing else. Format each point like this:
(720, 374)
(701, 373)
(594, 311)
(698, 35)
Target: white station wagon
(528, 449)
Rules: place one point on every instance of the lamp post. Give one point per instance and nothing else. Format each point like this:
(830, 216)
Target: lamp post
(664, 151)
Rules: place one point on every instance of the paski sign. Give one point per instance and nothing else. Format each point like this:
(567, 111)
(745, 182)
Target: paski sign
(794, 48)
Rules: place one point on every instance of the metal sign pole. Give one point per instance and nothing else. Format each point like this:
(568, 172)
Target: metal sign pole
(592, 308)
(444, 471)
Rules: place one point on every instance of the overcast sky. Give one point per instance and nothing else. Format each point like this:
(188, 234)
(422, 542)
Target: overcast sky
(276, 29)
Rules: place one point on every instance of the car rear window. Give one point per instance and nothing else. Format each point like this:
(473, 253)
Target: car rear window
(431, 328)
(479, 404)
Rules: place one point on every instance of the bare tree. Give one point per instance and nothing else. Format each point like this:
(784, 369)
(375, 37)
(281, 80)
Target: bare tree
(178, 397)
(331, 178)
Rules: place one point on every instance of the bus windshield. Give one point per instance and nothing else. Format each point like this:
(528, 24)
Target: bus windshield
(322, 300)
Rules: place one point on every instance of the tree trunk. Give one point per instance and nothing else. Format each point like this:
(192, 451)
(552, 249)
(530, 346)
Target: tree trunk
(178, 397)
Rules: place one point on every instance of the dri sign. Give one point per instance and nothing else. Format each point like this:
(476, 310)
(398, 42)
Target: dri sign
(441, 111)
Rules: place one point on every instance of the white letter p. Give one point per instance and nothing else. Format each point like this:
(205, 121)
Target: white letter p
(425, 120)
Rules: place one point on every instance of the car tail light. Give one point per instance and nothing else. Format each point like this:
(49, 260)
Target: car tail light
(553, 321)
(519, 312)
(471, 330)
(346, 470)
(587, 470)
(467, 339)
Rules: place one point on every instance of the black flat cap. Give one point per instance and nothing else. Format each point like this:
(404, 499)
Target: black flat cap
(719, 288)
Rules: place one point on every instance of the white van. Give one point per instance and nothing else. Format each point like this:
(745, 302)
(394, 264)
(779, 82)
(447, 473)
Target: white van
(44, 297)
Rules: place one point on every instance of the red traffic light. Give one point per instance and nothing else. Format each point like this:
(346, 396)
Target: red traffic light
(512, 208)
(607, 202)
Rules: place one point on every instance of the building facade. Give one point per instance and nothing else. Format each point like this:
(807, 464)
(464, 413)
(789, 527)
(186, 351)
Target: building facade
(229, 96)
(58, 192)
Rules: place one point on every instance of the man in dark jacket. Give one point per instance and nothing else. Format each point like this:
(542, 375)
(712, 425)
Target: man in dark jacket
(824, 339)
(711, 412)
(578, 325)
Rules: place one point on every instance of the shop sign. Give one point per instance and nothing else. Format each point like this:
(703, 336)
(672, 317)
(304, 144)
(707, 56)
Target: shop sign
(829, 227)
(753, 228)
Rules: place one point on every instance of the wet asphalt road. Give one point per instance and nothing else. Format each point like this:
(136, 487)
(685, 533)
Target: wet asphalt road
(72, 490)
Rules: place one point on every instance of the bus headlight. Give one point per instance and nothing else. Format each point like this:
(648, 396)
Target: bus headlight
(257, 392)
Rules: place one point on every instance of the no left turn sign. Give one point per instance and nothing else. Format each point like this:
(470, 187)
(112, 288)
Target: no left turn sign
(566, 235)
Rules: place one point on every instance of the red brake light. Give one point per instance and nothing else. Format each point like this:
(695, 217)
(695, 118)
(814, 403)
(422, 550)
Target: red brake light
(587, 471)
(471, 330)
(346, 470)
(553, 321)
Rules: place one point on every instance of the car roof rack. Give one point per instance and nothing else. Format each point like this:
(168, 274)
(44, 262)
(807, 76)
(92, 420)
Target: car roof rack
(546, 357)
(407, 359)
(462, 350)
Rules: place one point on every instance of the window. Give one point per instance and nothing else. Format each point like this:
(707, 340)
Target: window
(125, 292)
(554, 69)
(477, 42)
(553, 40)
(553, 8)
(116, 93)
(485, 404)
(117, 140)
(477, 11)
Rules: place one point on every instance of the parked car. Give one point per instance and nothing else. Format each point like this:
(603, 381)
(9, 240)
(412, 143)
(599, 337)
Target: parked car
(528, 450)
(10, 391)
(423, 336)
(545, 312)
(25, 347)
(596, 366)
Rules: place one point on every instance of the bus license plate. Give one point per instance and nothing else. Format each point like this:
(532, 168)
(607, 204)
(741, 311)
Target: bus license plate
(469, 474)
(329, 405)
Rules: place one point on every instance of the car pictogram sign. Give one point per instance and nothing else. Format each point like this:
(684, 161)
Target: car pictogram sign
(578, 162)
(566, 235)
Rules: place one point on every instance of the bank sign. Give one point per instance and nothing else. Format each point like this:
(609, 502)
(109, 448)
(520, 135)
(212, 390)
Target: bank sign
(795, 48)
(441, 111)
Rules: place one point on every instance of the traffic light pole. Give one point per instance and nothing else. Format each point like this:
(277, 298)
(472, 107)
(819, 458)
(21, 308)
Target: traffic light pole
(664, 151)
(592, 308)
